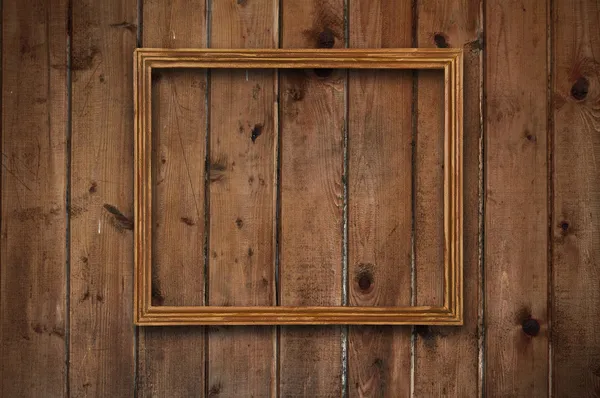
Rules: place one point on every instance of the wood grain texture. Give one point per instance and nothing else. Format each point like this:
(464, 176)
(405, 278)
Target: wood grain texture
(243, 136)
(516, 268)
(379, 200)
(576, 212)
(171, 361)
(446, 359)
(33, 219)
(179, 139)
(312, 116)
(429, 186)
(102, 332)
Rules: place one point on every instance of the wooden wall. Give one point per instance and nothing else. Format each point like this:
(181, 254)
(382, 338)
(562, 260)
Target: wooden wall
(532, 200)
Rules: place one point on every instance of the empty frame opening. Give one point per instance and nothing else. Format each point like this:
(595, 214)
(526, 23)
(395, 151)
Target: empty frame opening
(297, 187)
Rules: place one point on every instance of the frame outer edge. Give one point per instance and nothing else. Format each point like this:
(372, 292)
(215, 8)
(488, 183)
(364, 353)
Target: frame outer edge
(451, 60)
(136, 209)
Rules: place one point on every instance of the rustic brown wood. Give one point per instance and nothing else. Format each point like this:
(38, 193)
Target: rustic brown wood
(243, 136)
(149, 313)
(516, 225)
(102, 333)
(576, 203)
(429, 184)
(312, 116)
(446, 359)
(179, 136)
(516, 198)
(171, 361)
(33, 228)
(379, 200)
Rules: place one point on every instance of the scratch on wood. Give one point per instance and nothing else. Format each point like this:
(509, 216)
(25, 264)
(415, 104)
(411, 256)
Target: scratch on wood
(16, 177)
(125, 25)
(85, 296)
(188, 221)
(40, 329)
(88, 85)
(158, 298)
(185, 160)
(217, 168)
(84, 58)
(215, 390)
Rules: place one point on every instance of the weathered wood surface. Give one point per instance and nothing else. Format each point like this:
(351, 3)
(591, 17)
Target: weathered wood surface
(516, 193)
(65, 276)
(243, 134)
(171, 361)
(33, 310)
(102, 345)
(446, 360)
(312, 116)
(575, 227)
(379, 200)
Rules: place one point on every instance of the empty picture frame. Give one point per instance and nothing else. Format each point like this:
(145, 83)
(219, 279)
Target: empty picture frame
(447, 60)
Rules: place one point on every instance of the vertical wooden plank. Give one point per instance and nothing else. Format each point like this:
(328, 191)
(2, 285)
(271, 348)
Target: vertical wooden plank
(102, 331)
(446, 358)
(241, 360)
(312, 115)
(576, 211)
(516, 199)
(379, 200)
(33, 228)
(172, 360)
(429, 173)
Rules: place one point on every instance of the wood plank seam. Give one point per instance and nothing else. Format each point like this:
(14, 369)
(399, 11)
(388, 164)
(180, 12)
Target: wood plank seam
(413, 195)
(209, 20)
(481, 355)
(68, 193)
(550, 186)
(345, 192)
(139, 32)
(277, 194)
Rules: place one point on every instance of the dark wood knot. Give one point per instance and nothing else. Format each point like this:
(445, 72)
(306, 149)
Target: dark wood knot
(580, 88)
(531, 327)
(326, 39)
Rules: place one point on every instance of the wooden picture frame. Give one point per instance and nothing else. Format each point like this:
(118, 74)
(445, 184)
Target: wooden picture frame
(448, 60)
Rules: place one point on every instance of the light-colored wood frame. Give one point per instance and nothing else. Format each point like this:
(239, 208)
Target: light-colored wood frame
(448, 60)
